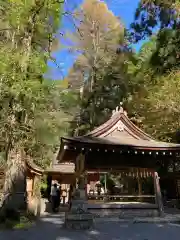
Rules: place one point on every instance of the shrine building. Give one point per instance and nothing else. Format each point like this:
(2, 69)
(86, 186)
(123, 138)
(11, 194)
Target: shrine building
(117, 146)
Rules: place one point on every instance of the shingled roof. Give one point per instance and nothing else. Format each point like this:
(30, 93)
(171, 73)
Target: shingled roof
(119, 132)
(33, 167)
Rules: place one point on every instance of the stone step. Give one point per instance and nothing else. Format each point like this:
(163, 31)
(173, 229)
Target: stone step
(124, 213)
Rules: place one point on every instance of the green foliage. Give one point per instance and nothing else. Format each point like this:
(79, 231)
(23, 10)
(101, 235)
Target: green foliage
(166, 55)
(12, 220)
(52, 119)
(163, 15)
(100, 71)
(147, 81)
(155, 71)
(150, 14)
(33, 111)
(110, 89)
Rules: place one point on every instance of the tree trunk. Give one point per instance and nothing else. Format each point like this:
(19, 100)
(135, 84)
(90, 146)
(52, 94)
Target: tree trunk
(14, 194)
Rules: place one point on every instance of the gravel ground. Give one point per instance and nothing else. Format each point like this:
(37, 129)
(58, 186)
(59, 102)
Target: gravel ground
(51, 228)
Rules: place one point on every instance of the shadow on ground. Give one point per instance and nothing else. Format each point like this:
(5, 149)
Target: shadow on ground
(51, 226)
(48, 207)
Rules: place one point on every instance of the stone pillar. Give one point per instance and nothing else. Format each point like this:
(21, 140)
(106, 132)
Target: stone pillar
(78, 217)
(82, 186)
(158, 196)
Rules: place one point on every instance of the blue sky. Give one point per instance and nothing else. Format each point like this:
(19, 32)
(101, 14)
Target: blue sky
(124, 9)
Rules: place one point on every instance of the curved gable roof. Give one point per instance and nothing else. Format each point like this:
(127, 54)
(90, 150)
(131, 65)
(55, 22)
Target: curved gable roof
(117, 132)
(119, 121)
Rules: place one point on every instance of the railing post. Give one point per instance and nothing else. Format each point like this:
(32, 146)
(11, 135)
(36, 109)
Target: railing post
(105, 183)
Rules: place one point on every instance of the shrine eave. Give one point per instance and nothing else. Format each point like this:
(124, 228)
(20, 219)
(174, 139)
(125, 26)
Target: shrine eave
(33, 168)
(89, 144)
(118, 134)
(113, 143)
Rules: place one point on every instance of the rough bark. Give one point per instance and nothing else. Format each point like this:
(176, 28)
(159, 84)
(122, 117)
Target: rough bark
(15, 182)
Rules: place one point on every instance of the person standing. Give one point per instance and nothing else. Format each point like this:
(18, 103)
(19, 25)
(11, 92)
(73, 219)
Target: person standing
(59, 192)
(54, 197)
(70, 196)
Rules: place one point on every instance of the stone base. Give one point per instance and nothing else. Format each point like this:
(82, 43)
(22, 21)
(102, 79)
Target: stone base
(34, 206)
(78, 221)
(78, 217)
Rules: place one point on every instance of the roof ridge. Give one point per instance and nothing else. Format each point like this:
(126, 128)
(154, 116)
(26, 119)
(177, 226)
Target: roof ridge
(115, 117)
(119, 114)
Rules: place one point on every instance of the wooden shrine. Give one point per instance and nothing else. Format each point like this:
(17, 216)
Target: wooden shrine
(119, 144)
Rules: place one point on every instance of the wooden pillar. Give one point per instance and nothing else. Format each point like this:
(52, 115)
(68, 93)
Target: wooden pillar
(139, 188)
(178, 187)
(105, 183)
(158, 195)
(139, 182)
(139, 185)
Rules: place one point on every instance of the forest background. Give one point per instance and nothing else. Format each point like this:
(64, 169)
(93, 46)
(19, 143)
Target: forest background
(36, 111)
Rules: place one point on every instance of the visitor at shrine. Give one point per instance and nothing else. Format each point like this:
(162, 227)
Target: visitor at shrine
(98, 189)
(70, 195)
(59, 193)
(54, 197)
(164, 196)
